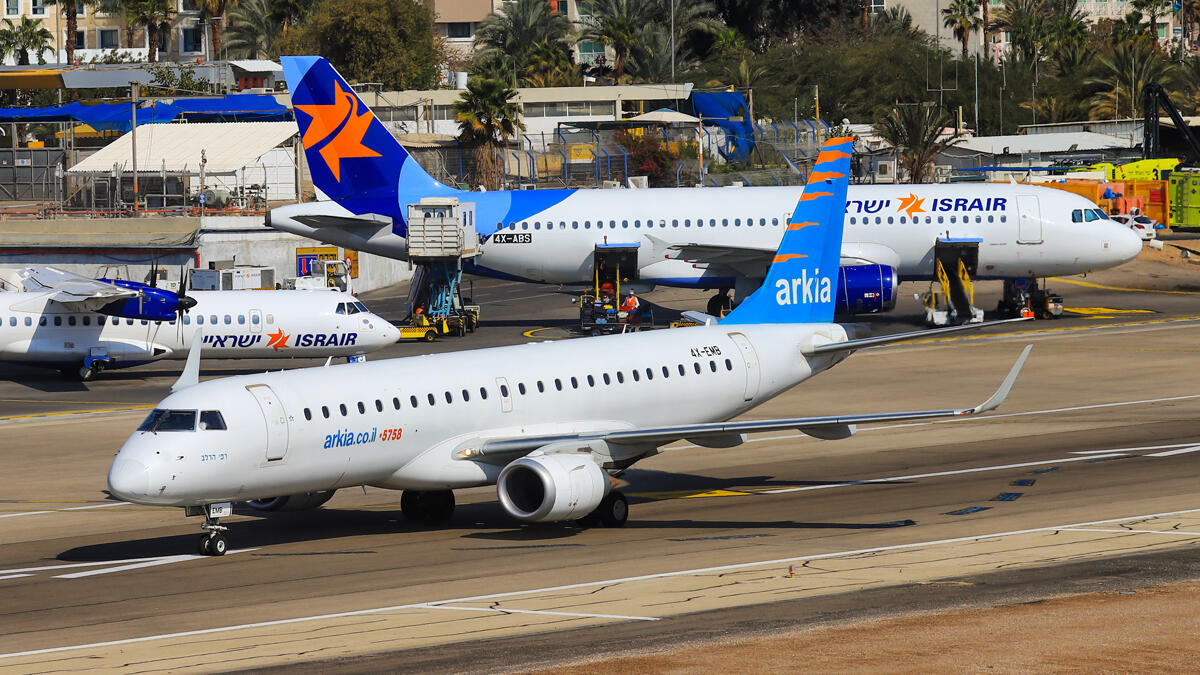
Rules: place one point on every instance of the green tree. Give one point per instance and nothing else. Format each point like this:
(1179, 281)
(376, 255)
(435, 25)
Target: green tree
(1124, 72)
(24, 36)
(213, 13)
(894, 21)
(648, 156)
(386, 41)
(487, 117)
(915, 131)
(549, 65)
(1025, 22)
(617, 26)
(522, 24)
(252, 30)
(151, 15)
(745, 73)
(959, 16)
(1152, 9)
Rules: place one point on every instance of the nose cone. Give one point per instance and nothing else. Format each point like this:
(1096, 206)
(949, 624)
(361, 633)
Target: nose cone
(388, 333)
(128, 479)
(1126, 244)
(186, 302)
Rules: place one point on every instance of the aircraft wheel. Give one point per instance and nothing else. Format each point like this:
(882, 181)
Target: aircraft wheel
(86, 374)
(204, 545)
(218, 544)
(614, 510)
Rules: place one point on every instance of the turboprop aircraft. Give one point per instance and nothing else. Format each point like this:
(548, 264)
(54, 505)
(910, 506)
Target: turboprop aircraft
(544, 422)
(688, 237)
(84, 326)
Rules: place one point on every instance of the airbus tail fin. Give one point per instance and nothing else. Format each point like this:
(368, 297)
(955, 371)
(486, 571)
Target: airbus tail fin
(800, 285)
(352, 157)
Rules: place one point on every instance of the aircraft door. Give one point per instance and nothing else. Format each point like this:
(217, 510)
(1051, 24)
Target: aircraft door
(505, 394)
(255, 321)
(1029, 228)
(750, 358)
(275, 418)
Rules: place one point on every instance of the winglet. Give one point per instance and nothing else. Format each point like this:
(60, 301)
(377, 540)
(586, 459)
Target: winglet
(1005, 386)
(191, 368)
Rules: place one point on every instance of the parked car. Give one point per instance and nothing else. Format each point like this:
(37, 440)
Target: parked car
(1143, 225)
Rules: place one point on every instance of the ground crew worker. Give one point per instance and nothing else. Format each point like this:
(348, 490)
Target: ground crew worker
(720, 304)
(630, 307)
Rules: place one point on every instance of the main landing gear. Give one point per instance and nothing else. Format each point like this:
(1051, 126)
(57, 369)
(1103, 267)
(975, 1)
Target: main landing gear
(427, 506)
(213, 541)
(612, 512)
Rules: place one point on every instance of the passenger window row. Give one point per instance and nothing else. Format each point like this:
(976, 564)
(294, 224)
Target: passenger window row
(879, 220)
(660, 223)
(103, 320)
(464, 395)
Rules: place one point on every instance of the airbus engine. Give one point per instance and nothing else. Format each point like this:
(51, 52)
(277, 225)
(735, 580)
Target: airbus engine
(552, 487)
(300, 502)
(866, 289)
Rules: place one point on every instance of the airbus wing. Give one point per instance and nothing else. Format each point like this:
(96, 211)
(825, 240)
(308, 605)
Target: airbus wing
(729, 434)
(77, 293)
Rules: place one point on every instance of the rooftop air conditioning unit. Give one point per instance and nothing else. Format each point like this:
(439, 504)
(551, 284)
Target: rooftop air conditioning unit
(610, 184)
(638, 182)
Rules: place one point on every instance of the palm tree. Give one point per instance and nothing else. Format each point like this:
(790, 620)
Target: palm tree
(744, 74)
(213, 11)
(150, 15)
(549, 65)
(25, 36)
(1153, 9)
(894, 21)
(252, 30)
(915, 131)
(70, 12)
(1025, 21)
(487, 117)
(692, 17)
(618, 25)
(521, 25)
(959, 17)
(1127, 70)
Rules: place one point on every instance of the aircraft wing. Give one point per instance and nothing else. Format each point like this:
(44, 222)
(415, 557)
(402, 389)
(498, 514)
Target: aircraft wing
(727, 434)
(749, 261)
(75, 292)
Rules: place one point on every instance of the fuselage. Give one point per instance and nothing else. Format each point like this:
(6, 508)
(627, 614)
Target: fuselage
(550, 236)
(398, 423)
(236, 324)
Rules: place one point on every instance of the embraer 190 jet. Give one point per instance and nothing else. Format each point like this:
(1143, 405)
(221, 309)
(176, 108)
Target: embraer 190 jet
(545, 422)
(688, 237)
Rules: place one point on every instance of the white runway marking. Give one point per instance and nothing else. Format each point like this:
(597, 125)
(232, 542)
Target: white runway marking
(95, 506)
(507, 610)
(1180, 451)
(23, 513)
(586, 584)
(1127, 531)
(936, 474)
(118, 565)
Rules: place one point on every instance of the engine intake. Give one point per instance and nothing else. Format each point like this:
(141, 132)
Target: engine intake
(299, 502)
(553, 487)
(866, 289)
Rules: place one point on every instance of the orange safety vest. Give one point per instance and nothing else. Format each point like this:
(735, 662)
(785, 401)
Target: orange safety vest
(631, 303)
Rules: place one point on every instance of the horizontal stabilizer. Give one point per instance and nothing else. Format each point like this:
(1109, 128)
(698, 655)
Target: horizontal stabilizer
(863, 343)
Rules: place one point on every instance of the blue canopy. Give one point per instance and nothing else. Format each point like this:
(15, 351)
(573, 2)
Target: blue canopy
(234, 108)
(720, 108)
(117, 116)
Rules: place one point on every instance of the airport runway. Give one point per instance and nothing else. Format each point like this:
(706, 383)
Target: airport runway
(1095, 458)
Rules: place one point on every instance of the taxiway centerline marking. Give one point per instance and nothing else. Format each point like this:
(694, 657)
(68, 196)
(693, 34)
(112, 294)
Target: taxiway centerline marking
(1089, 284)
(12, 419)
(163, 560)
(14, 576)
(22, 513)
(586, 584)
(82, 564)
(1143, 447)
(505, 610)
(94, 506)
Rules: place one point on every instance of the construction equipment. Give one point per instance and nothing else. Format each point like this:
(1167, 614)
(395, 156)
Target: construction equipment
(441, 232)
(1155, 98)
(953, 302)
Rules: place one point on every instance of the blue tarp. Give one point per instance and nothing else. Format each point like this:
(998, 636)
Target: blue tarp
(116, 116)
(718, 109)
(234, 108)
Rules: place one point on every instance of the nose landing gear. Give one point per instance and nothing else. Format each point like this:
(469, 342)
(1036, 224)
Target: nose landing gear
(214, 540)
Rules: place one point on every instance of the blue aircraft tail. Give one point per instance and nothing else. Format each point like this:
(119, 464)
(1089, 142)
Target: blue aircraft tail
(352, 157)
(800, 285)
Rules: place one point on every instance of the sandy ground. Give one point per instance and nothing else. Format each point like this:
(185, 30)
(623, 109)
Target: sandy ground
(1148, 630)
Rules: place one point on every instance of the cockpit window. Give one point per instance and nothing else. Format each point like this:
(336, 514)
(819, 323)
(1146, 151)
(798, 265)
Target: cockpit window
(1090, 215)
(341, 308)
(1101, 215)
(1077, 216)
(169, 420)
(361, 307)
(212, 420)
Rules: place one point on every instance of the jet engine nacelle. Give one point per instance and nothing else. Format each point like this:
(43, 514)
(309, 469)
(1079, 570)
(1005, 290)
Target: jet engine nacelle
(561, 486)
(866, 289)
(300, 502)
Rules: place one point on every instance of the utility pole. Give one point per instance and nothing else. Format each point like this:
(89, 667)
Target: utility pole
(817, 104)
(672, 41)
(133, 96)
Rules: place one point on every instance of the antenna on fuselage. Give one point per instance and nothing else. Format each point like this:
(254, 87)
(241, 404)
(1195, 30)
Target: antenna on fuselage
(191, 368)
